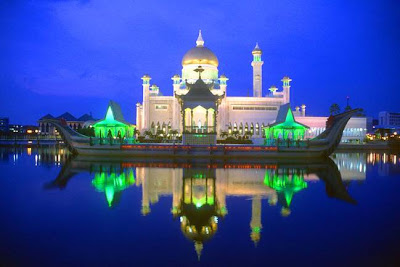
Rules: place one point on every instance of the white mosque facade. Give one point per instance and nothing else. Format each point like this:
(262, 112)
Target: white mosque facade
(239, 114)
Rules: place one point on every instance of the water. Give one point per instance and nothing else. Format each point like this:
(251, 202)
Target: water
(62, 212)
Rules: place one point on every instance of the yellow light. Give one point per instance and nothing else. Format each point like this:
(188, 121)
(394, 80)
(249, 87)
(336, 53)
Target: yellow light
(29, 131)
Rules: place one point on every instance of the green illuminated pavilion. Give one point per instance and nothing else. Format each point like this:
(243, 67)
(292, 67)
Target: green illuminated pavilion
(285, 126)
(113, 183)
(114, 124)
(286, 182)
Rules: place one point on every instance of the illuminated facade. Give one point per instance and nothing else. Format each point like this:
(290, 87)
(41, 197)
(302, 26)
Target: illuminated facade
(84, 121)
(245, 115)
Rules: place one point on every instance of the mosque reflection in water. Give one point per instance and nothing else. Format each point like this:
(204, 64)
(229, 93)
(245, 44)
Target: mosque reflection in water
(199, 191)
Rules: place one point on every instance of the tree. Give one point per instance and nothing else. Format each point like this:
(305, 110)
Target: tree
(334, 109)
(174, 133)
(347, 108)
(89, 131)
(148, 133)
(235, 133)
(223, 134)
(248, 134)
(361, 113)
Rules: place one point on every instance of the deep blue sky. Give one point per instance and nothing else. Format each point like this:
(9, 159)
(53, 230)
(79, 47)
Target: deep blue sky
(58, 56)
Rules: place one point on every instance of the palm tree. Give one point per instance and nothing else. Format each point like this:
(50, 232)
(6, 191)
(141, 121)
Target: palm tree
(347, 108)
(334, 109)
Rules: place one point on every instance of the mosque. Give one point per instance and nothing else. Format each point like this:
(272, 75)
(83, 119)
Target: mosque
(211, 110)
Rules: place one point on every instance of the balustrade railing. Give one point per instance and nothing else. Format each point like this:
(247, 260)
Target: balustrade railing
(286, 143)
(202, 129)
(111, 141)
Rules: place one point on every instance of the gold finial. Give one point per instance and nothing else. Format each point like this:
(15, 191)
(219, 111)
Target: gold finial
(200, 41)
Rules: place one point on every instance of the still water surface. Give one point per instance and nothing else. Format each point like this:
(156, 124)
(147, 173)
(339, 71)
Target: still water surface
(58, 211)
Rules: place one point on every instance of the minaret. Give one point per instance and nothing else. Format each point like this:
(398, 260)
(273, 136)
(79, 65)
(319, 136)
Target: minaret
(286, 89)
(175, 105)
(255, 223)
(303, 110)
(139, 116)
(273, 89)
(222, 83)
(146, 101)
(222, 109)
(145, 192)
(257, 71)
(176, 82)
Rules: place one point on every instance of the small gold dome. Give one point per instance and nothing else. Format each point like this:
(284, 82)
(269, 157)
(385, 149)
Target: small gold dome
(256, 50)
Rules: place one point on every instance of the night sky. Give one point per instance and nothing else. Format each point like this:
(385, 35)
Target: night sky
(75, 56)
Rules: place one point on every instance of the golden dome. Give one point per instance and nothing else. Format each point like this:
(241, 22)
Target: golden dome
(200, 54)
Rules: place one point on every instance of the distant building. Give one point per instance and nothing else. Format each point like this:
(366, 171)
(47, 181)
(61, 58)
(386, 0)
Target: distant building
(389, 120)
(354, 132)
(4, 124)
(30, 129)
(83, 121)
(16, 128)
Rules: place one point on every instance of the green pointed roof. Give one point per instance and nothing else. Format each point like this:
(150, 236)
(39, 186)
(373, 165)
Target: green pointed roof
(285, 118)
(113, 115)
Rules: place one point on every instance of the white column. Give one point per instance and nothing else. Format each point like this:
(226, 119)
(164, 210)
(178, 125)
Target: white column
(146, 102)
(257, 71)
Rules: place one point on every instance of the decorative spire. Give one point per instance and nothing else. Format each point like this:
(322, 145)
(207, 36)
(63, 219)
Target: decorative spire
(257, 50)
(198, 246)
(200, 41)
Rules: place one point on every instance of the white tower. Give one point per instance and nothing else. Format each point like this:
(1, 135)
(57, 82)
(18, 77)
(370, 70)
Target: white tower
(255, 223)
(257, 71)
(286, 89)
(175, 104)
(146, 101)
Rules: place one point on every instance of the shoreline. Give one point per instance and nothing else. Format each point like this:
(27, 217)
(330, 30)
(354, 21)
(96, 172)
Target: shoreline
(340, 148)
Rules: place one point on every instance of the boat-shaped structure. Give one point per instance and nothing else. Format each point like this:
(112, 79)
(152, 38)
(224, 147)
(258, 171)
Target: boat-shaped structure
(321, 146)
